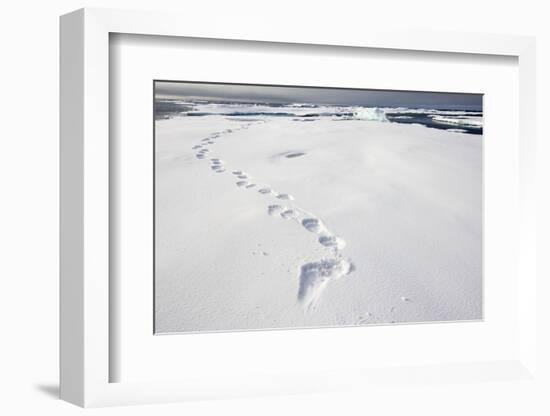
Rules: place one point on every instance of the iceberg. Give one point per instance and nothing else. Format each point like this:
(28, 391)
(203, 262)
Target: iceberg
(370, 114)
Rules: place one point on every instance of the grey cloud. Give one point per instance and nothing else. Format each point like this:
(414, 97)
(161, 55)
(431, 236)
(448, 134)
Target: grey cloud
(316, 95)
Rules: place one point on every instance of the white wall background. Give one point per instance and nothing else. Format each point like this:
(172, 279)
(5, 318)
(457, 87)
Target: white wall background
(29, 56)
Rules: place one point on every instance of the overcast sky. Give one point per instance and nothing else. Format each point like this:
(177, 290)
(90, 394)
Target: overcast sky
(336, 96)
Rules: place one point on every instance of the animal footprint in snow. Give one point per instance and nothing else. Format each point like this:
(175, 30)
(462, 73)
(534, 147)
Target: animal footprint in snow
(313, 224)
(198, 146)
(241, 184)
(332, 241)
(217, 168)
(250, 185)
(289, 213)
(315, 276)
(275, 209)
(285, 197)
(265, 191)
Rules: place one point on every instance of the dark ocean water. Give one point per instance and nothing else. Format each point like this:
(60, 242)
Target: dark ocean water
(426, 120)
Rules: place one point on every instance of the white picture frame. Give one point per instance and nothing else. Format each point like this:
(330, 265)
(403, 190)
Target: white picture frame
(85, 222)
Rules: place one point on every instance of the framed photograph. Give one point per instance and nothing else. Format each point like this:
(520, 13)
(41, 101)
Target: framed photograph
(263, 214)
(400, 172)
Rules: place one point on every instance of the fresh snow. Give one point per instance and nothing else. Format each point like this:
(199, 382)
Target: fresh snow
(265, 222)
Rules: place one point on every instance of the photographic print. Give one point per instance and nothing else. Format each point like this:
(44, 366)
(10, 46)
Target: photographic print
(279, 207)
